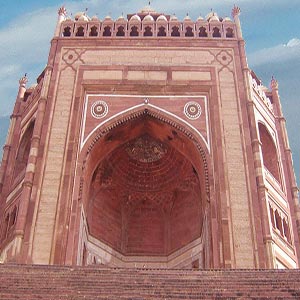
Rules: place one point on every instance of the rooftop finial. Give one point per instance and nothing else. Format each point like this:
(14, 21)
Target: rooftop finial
(235, 11)
(274, 83)
(23, 80)
(62, 11)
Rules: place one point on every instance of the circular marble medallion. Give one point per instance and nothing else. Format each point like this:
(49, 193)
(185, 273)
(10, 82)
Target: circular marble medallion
(99, 109)
(192, 110)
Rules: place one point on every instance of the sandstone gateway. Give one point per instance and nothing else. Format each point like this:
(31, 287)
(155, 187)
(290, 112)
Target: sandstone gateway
(148, 142)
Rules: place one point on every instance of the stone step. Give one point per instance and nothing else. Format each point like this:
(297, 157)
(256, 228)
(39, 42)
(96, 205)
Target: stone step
(61, 282)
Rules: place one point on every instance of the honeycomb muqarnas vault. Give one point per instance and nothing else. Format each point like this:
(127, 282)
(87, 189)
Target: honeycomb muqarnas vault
(148, 142)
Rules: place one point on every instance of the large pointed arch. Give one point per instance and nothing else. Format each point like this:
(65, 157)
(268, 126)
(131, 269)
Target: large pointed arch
(106, 142)
(175, 122)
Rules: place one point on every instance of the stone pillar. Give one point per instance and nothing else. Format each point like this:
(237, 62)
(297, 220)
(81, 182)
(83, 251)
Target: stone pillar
(13, 118)
(31, 165)
(235, 14)
(264, 237)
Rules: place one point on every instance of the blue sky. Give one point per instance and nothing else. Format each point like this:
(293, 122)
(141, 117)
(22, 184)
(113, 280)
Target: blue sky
(270, 28)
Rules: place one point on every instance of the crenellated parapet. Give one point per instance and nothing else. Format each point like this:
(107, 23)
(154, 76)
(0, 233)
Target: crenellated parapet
(148, 24)
(261, 93)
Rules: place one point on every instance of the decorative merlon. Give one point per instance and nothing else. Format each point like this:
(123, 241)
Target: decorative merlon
(260, 90)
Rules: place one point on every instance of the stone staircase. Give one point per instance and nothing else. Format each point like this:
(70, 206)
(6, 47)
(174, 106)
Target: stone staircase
(60, 282)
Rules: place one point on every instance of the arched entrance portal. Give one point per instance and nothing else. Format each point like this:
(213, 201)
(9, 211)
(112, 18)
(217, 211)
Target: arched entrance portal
(144, 200)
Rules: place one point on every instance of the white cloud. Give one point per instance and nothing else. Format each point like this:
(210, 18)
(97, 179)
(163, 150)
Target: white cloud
(9, 70)
(278, 54)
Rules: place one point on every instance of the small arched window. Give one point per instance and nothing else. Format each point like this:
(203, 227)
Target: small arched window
(272, 216)
(13, 217)
(189, 32)
(161, 31)
(107, 31)
(80, 31)
(5, 227)
(216, 32)
(148, 31)
(229, 33)
(202, 32)
(84, 255)
(286, 230)
(175, 31)
(134, 31)
(121, 31)
(278, 222)
(94, 31)
(94, 261)
(67, 31)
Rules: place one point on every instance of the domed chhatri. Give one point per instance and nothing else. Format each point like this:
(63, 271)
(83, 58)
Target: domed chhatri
(162, 18)
(135, 18)
(148, 18)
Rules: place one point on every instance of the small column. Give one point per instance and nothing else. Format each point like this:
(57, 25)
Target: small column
(7, 147)
(62, 13)
(236, 11)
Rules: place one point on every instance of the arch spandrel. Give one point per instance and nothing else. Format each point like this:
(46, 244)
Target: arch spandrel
(100, 110)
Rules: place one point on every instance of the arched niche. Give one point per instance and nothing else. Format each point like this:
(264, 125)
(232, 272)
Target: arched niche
(145, 195)
(269, 151)
(23, 152)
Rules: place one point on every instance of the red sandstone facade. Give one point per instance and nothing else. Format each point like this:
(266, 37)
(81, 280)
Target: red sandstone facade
(148, 142)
